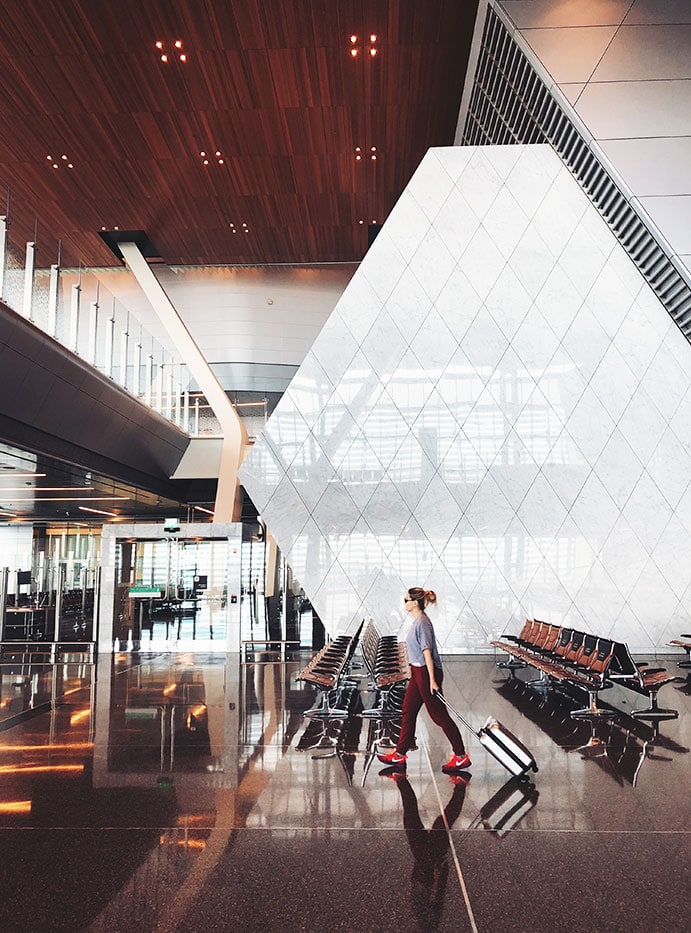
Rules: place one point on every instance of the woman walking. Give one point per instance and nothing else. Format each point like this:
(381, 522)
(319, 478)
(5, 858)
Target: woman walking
(426, 677)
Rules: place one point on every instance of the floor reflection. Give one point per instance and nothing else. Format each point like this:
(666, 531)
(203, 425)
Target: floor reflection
(430, 848)
(160, 789)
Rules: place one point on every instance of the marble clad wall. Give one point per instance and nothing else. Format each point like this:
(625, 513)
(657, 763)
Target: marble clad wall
(498, 409)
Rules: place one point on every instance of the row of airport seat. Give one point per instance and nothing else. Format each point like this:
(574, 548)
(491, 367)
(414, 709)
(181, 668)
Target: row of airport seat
(329, 671)
(386, 660)
(594, 663)
(684, 641)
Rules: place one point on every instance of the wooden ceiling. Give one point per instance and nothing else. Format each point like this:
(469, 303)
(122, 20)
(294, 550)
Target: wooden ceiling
(270, 84)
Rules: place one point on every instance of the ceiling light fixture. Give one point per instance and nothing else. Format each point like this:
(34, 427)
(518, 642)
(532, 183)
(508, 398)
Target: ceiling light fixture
(43, 488)
(70, 499)
(84, 508)
(206, 157)
(55, 163)
(177, 45)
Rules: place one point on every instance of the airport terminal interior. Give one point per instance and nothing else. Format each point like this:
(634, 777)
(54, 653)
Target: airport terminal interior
(303, 305)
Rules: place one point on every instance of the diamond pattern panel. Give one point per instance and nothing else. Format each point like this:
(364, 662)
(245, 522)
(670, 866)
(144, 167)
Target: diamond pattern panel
(499, 409)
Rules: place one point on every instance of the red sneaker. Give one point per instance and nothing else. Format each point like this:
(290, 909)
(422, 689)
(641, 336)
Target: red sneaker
(456, 763)
(394, 760)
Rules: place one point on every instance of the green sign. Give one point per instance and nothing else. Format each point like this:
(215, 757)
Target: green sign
(145, 591)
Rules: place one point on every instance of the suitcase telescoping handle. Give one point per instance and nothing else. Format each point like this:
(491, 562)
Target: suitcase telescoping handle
(440, 696)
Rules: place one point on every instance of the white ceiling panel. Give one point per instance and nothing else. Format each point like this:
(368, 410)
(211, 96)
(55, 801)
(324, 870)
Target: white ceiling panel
(673, 216)
(655, 11)
(547, 13)
(570, 55)
(647, 53)
(636, 109)
(657, 166)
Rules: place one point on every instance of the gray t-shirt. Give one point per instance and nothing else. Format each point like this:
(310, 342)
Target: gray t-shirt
(420, 636)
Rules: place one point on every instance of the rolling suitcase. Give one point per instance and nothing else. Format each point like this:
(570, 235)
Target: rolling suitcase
(499, 742)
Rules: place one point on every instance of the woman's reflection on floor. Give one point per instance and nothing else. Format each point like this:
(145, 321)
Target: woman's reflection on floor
(430, 847)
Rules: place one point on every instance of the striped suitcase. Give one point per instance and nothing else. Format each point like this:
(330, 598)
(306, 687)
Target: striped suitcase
(499, 742)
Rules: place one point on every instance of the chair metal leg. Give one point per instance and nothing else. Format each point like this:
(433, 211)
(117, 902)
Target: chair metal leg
(654, 711)
(593, 711)
(325, 711)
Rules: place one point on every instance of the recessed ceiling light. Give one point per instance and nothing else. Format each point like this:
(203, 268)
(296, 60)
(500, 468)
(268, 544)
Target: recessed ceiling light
(353, 39)
(177, 44)
(56, 163)
(206, 157)
(372, 38)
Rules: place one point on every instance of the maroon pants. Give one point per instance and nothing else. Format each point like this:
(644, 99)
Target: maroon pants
(417, 694)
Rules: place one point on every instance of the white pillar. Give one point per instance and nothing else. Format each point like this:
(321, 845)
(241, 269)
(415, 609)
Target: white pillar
(3, 252)
(93, 332)
(53, 300)
(29, 279)
(75, 302)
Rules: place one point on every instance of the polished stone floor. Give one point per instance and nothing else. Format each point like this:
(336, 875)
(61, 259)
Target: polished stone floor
(166, 792)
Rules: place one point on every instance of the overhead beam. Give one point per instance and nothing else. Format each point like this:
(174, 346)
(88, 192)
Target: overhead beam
(228, 501)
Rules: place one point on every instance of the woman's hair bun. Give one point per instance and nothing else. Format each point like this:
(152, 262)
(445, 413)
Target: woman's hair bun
(430, 597)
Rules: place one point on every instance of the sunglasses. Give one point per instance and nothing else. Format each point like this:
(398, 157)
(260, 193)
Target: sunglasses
(409, 599)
